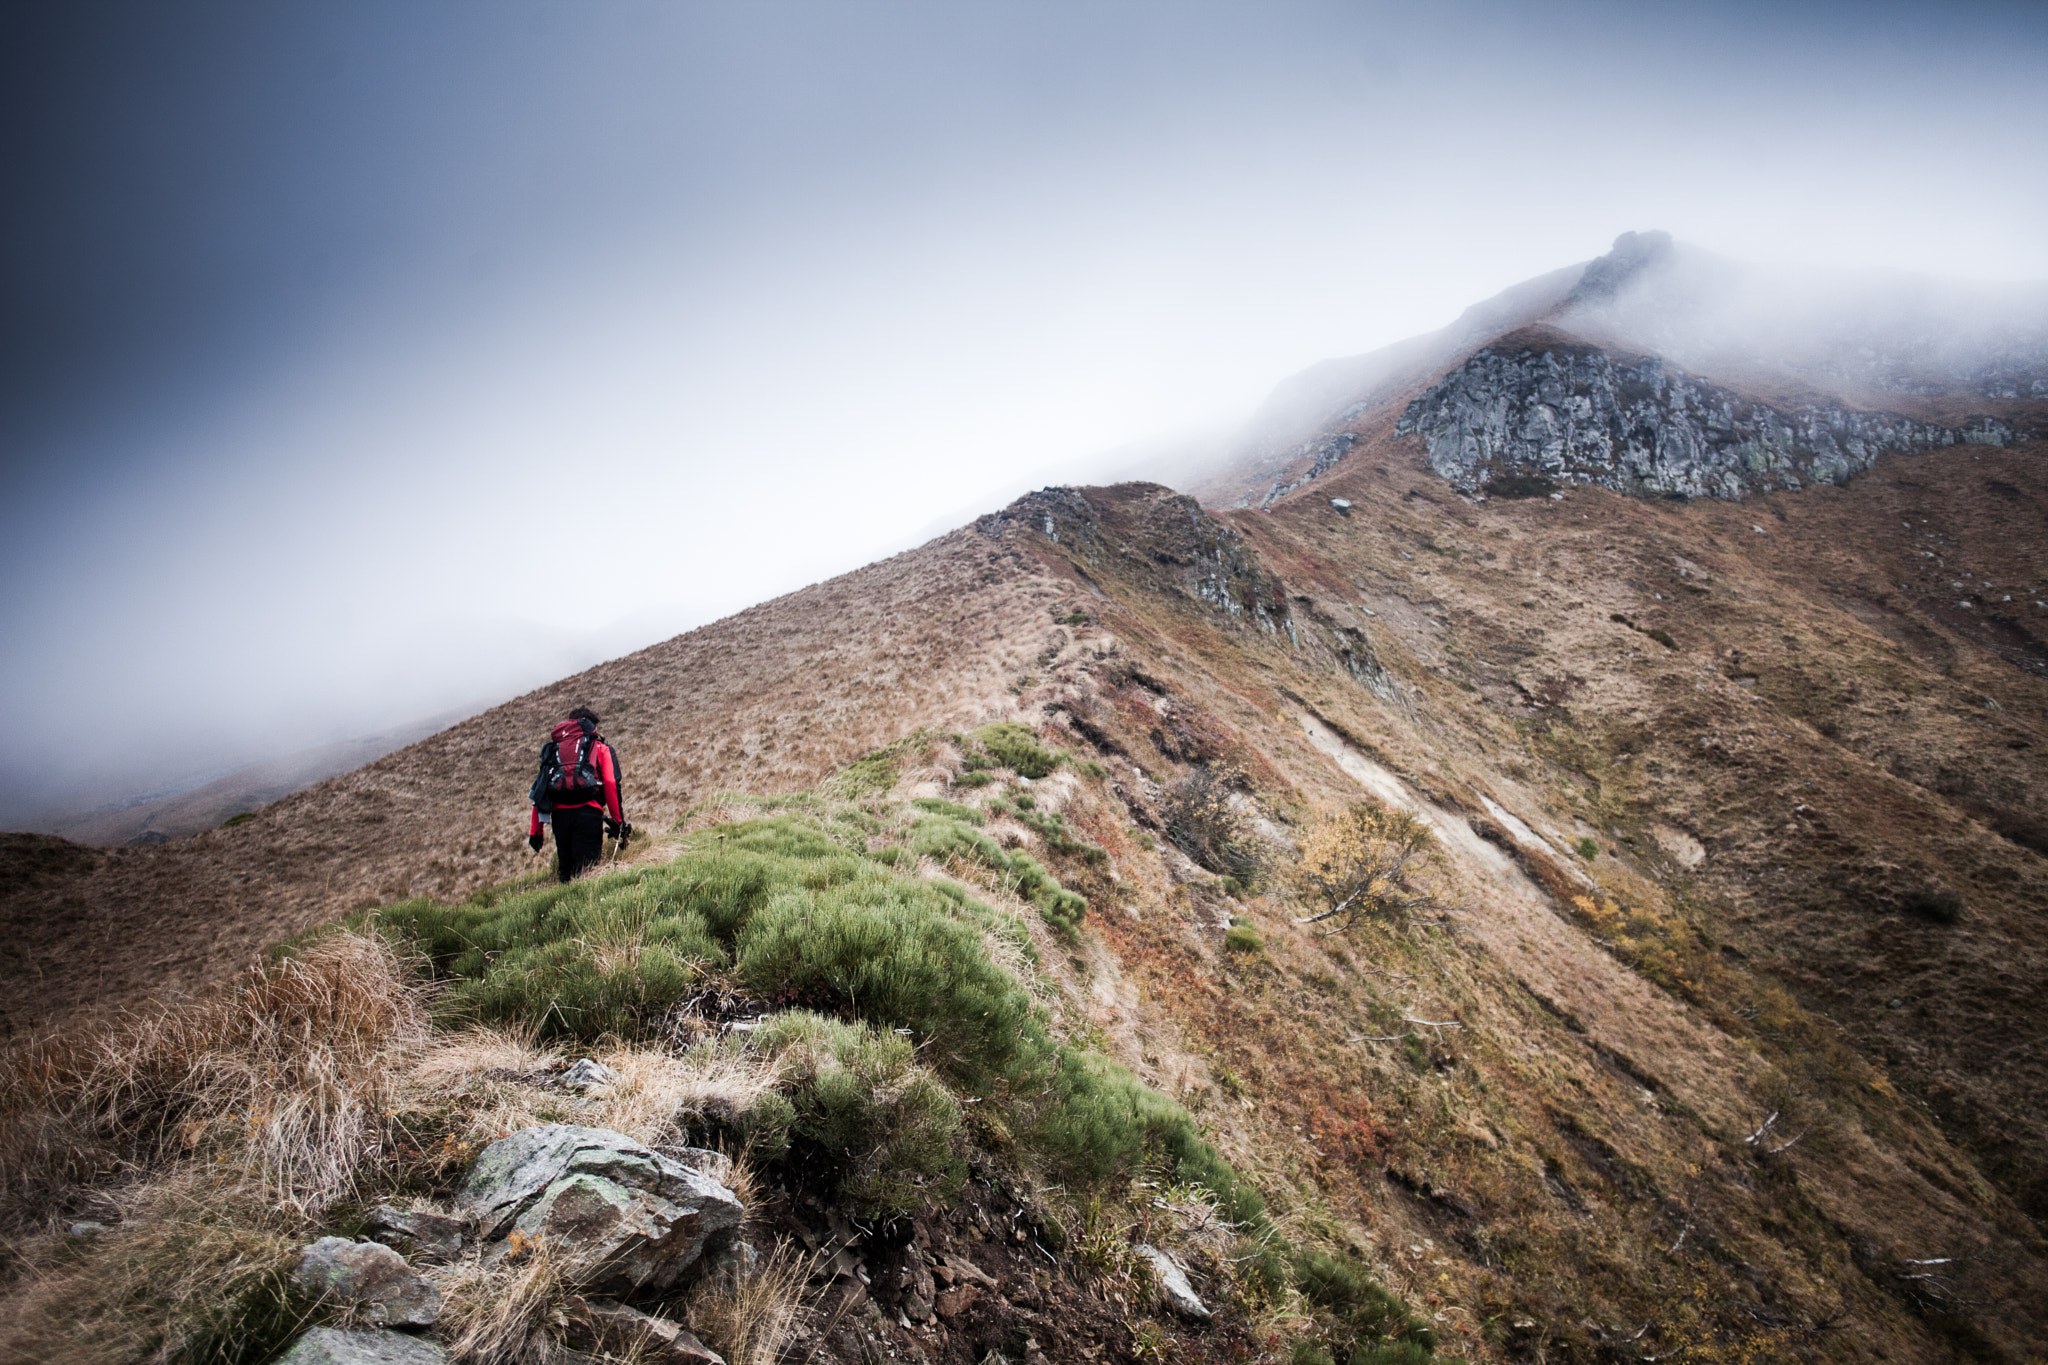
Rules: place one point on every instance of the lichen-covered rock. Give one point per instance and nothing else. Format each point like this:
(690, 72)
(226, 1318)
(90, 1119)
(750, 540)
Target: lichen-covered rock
(332, 1346)
(616, 1328)
(587, 1074)
(1540, 405)
(370, 1275)
(618, 1215)
(1173, 1283)
(432, 1236)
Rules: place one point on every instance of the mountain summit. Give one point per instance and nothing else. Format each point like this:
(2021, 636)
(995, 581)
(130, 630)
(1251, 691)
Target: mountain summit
(1676, 635)
(1665, 370)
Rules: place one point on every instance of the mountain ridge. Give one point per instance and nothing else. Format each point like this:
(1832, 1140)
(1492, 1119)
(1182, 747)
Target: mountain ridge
(1729, 1021)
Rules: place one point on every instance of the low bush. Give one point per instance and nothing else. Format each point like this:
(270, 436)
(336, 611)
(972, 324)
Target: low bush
(782, 903)
(1204, 821)
(1241, 937)
(946, 839)
(952, 811)
(863, 1108)
(1366, 1324)
(1015, 747)
(1368, 861)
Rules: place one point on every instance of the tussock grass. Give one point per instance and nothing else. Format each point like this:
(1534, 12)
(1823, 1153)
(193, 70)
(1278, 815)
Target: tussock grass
(862, 1105)
(189, 1272)
(280, 1079)
(502, 1314)
(786, 905)
(751, 1320)
(1015, 747)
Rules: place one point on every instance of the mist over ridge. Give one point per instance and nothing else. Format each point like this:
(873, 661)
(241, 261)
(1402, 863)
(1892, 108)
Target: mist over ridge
(315, 317)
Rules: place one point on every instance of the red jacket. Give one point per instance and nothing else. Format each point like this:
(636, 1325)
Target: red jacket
(601, 758)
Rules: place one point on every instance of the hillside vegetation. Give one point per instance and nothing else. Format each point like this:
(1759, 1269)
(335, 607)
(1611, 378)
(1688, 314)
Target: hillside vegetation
(1688, 1008)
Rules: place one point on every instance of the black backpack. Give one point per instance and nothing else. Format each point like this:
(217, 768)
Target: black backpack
(568, 772)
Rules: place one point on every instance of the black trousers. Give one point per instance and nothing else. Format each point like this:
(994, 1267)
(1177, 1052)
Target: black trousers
(579, 839)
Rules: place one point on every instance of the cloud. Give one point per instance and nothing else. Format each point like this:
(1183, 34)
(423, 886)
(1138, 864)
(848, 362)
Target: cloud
(358, 354)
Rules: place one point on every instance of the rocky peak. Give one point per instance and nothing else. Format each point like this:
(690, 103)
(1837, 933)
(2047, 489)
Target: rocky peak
(1538, 408)
(1633, 253)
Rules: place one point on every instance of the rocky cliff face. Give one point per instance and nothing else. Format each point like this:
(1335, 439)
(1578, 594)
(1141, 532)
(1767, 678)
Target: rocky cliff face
(1547, 407)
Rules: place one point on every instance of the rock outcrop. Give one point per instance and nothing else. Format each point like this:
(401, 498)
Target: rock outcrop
(370, 1275)
(1541, 406)
(621, 1216)
(332, 1346)
(420, 1233)
(618, 1329)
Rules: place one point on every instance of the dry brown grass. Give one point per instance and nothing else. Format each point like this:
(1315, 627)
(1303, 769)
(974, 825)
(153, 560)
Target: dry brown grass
(186, 1273)
(750, 1322)
(502, 1314)
(279, 1079)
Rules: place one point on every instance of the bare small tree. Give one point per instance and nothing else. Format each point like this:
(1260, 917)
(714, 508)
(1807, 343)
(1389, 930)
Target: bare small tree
(1368, 862)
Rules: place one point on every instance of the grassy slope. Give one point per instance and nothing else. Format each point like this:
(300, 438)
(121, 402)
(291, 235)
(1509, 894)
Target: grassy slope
(1536, 1150)
(1571, 1155)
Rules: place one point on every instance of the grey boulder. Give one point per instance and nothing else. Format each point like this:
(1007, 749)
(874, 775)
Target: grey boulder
(613, 1327)
(587, 1074)
(1180, 1296)
(331, 1346)
(619, 1215)
(370, 1275)
(434, 1236)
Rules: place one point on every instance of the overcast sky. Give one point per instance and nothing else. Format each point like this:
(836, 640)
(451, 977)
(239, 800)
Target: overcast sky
(360, 360)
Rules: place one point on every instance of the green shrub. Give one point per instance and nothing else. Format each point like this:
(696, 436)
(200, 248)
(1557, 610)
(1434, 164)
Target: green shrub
(1241, 937)
(1662, 637)
(856, 1094)
(875, 772)
(1587, 849)
(806, 922)
(1103, 1122)
(1053, 829)
(973, 778)
(238, 818)
(611, 955)
(887, 949)
(943, 838)
(1367, 1319)
(1015, 747)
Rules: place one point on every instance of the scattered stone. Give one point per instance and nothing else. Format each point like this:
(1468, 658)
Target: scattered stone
(613, 1327)
(332, 1346)
(954, 1302)
(588, 1073)
(431, 1236)
(87, 1229)
(369, 1274)
(624, 1217)
(967, 1270)
(919, 1293)
(1173, 1283)
(1343, 506)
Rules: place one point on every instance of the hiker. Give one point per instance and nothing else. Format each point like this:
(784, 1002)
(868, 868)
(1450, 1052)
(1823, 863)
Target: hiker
(577, 793)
